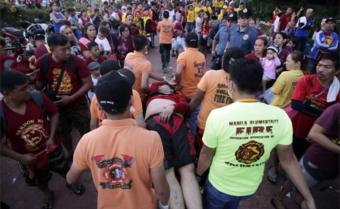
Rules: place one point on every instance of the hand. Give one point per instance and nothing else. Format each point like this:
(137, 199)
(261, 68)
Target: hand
(64, 100)
(28, 159)
(166, 113)
(308, 204)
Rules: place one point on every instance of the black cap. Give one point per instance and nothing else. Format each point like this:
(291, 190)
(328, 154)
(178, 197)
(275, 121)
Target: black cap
(128, 74)
(191, 38)
(244, 13)
(330, 19)
(113, 92)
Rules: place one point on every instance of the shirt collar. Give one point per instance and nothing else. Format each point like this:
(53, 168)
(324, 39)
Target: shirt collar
(119, 123)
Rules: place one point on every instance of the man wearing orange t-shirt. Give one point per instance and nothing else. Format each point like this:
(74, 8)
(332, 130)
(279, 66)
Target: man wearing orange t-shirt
(126, 161)
(191, 66)
(165, 29)
(212, 91)
(140, 65)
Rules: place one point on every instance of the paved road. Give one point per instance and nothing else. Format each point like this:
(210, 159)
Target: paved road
(19, 196)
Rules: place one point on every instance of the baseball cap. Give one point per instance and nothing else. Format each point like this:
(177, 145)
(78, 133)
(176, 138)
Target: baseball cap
(191, 37)
(244, 13)
(93, 66)
(128, 74)
(330, 19)
(113, 92)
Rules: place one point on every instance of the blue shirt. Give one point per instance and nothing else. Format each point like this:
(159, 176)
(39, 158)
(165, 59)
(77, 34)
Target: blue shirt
(244, 40)
(303, 28)
(222, 37)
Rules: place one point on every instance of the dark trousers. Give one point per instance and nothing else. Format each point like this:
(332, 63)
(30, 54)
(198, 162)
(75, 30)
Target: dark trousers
(301, 43)
(165, 49)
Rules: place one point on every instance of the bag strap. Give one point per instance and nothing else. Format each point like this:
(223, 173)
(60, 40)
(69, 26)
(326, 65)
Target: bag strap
(60, 78)
(38, 99)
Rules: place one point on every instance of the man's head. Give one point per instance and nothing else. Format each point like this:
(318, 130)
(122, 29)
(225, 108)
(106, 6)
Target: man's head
(94, 49)
(327, 67)
(245, 76)
(329, 24)
(140, 42)
(108, 66)
(229, 56)
(191, 40)
(14, 86)
(243, 18)
(289, 11)
(59, 45)
(114, 92)
(67, 31)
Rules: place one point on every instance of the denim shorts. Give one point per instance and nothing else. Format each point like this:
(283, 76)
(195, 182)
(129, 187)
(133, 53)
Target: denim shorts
(214, 199)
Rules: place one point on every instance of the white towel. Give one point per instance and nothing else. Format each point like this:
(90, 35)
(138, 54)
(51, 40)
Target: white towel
(333, 90)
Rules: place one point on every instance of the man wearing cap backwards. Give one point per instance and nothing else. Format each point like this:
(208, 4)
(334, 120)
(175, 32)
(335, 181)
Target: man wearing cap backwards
(126, 161)
(326, 40)
(238, 142)
(242, 35)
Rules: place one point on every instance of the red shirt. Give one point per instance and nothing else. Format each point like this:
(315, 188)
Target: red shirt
(251, 56)
(29, 132)
(181, 105)
(284, 20)
(40, 51)
(308, 87)
(71, 82)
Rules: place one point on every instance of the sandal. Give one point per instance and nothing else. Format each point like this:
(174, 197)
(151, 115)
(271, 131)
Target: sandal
(77, 189)
(277, 204)
(48, 202)
(271, 177)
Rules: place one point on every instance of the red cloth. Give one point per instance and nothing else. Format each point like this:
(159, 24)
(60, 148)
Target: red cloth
(307, 88)
(40, 51)
(284, 20)
(29, 132)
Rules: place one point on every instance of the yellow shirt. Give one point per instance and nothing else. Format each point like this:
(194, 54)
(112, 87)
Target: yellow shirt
(284, 86)
(190, 16)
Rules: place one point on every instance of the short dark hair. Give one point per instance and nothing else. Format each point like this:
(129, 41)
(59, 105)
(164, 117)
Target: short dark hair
(91, 44)
(166, 14)
(332, 56)
(246, 74)
(231, 54)
(11, 79)
(108, 66)
(57, 39)
(123, 27)
(104, 30)
(140, 42)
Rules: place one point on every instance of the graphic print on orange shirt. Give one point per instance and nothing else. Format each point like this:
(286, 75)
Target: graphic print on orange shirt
(199, 69)
(32, 132)
(221, 94)
(66, 84)
(115, 171)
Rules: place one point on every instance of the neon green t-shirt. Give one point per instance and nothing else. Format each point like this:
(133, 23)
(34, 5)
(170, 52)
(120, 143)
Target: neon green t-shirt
(244, 134)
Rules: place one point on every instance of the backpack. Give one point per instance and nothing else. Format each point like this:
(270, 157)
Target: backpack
(150, 26)
(37, 98)
(45, 65)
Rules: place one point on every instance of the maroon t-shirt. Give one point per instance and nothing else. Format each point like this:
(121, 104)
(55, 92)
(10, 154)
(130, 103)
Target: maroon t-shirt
(320, 156)
(251, 56)
(309, 87)
(71, 81)
(40, 51)
(284, 20)
(29, 132)
(124, 47)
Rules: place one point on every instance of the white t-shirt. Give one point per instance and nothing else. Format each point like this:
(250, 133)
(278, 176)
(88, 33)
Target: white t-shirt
(276, 24)
(103, 44)
(198, 27)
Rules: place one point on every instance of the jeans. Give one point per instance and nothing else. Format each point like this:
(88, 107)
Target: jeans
(214, 199)
(165, 49)
(193, 121)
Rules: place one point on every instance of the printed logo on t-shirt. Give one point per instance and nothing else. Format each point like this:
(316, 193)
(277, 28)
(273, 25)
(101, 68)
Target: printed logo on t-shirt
(249, 152)
(115, 171)
(32, 132)
(199, 68)
(166, 28)
(66, 83)
(221, 94)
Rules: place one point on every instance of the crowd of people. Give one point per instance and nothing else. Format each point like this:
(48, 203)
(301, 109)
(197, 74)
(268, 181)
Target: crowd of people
(197, 136)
